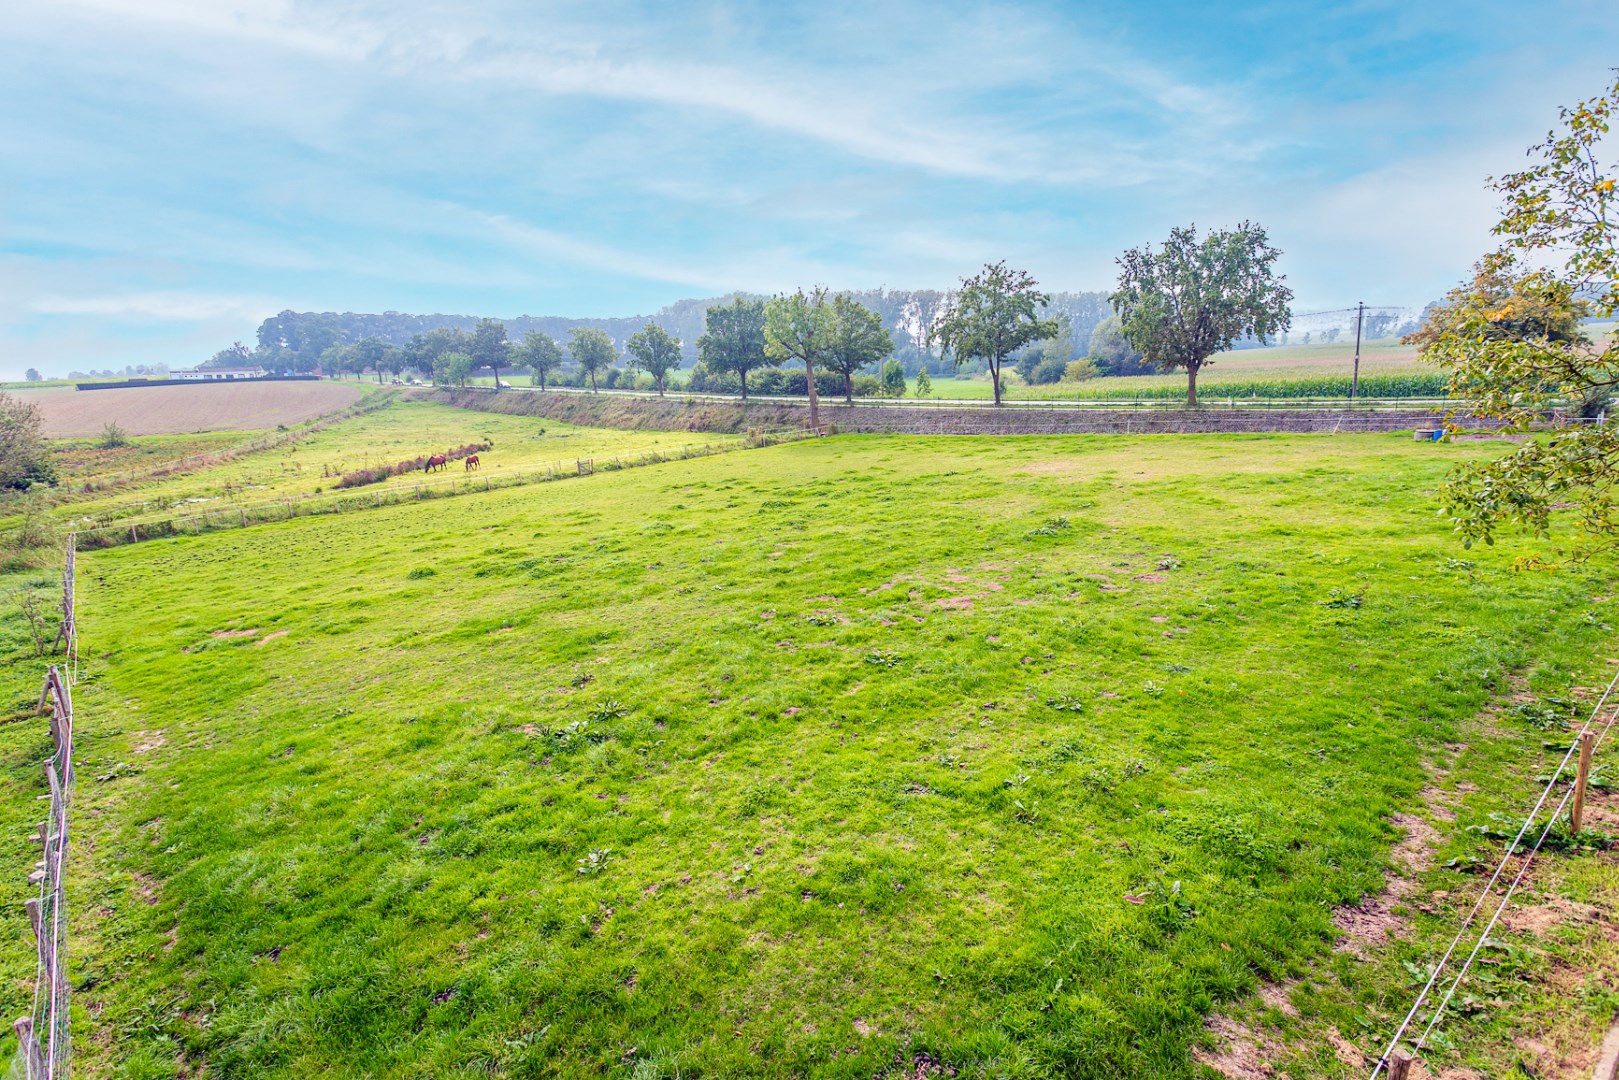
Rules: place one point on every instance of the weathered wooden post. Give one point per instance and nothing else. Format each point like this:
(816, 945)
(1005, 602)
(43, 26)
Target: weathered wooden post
(1399, 1067)
(1581, 778)
(29, 1047)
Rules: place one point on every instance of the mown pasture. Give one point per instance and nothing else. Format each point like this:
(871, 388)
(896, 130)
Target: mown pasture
(1021, 754)
(401, 431)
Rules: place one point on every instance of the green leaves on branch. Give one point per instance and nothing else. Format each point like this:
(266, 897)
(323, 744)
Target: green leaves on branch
(1511, 344)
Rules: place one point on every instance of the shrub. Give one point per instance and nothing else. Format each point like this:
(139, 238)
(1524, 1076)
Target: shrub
(113, 436)
(1048, 371)
(1079, 370)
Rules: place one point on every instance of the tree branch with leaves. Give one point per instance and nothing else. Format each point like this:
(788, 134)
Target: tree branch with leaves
(1513, 348)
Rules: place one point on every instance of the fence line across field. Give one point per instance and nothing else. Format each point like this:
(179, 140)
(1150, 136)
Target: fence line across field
(44, 1043)
(1392, 1062)
(174, 523)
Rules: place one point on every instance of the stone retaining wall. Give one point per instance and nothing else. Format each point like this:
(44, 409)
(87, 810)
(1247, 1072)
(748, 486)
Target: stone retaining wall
(691, 414)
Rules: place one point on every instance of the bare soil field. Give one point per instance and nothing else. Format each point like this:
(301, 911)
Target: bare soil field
(169, 410)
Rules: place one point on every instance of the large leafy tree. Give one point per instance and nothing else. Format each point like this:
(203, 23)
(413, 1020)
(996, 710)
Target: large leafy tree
(655, 351)
(735, 339)
(857, 339)
(452, 369)
(423, 351)
(539, 353)
(1112, 354)
(592, 350)
(24, 457)
(489, 347)
(1511, 344)
(1191, 299)
(994, 314)
(799, 327)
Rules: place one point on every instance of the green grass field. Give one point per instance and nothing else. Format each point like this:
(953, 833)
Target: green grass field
(401, 431)
(1024, 755)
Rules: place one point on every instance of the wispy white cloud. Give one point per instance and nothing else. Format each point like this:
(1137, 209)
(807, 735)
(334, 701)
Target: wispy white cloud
(165, 306)
(913, 108)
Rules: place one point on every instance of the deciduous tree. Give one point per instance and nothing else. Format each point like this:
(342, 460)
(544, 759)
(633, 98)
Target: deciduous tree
(1189, 300)
(1514, 352)
(893, 379)
(452, 369)
(592, 350)
(539, 354)
(655, 351)
(994, 314)
(489, 347)
(798, 327)
(24, 457)
(734, 340)
(1110, 351)
(856, 340)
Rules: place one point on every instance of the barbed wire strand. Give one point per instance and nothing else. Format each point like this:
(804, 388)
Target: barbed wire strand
(1512, 848)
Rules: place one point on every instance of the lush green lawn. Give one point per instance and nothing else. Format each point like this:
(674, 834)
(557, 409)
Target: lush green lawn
(785, 763)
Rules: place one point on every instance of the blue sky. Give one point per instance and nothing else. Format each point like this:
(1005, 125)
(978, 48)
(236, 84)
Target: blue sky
(175, 170)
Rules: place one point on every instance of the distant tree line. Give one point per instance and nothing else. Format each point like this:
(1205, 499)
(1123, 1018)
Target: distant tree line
(1172, 311)
(298, 342)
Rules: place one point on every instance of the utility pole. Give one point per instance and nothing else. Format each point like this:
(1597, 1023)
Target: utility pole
(1354, 383)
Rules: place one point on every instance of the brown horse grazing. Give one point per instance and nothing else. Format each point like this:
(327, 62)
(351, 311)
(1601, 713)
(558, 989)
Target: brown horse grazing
(472, 462)
(437, 461)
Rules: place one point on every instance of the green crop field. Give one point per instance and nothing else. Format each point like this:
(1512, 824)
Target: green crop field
(865, 756)
(1316, 368)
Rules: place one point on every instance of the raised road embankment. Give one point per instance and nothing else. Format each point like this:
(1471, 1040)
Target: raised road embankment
(731, 415)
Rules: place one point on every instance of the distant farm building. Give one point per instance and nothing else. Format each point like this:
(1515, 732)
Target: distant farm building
(220, 373)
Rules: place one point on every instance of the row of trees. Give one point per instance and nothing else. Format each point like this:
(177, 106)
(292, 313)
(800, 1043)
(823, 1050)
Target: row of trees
(1176, 308)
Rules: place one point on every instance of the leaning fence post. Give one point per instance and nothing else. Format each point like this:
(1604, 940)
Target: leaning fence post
(1581, 778)
(31, 905)
(35, 1061)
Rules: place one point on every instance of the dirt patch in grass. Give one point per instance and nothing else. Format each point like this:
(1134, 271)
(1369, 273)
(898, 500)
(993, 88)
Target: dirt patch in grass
(271, 636)
(233, 633)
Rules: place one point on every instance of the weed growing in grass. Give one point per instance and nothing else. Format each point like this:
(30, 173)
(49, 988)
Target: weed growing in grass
(1343, 598)
(594, 861)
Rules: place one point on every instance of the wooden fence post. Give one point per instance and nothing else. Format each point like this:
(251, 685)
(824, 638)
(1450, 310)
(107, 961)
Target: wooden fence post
(1581, 778)
(1399, 1067)
(29, 1046)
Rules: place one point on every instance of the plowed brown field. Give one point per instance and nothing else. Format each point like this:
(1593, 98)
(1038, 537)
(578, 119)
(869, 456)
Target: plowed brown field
(166, 410)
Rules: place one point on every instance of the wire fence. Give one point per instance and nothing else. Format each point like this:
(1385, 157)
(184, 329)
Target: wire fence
(197, 521)
(1394, 1062)
(44, 1042)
